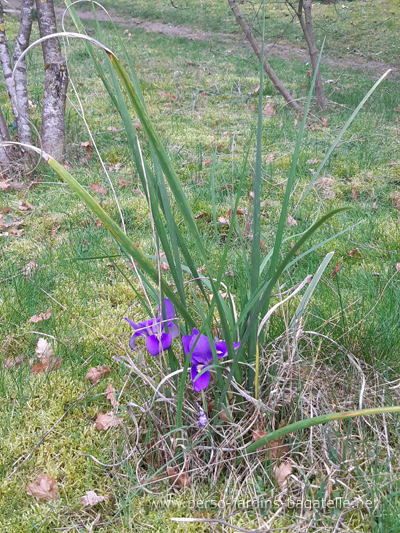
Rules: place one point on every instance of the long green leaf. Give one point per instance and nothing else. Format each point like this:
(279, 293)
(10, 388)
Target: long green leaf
(309, 422)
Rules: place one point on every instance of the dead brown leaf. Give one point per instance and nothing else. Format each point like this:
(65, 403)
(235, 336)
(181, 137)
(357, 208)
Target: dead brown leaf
(40, 317)
(354, 194)
(112, 128)
(324, 122)
(123, 184)
(251, 194)
(44, 487)
(14, 361)
(291, 221)
(111, 396)
(334, 271)
(91, 498)
(43, 349)
(45, 364)
(201, 215)
(97, 372)
(256, 89)
(397, 266)
(352, 253)
(269, 110)
(88, 148)
(176, 478)
(281, 473)
(99, 189)
(221, 415)
(106, 421)
(163, 264)
(25, 206)
(275, 448)
(223, 220)
(16, 232)
(11, 185)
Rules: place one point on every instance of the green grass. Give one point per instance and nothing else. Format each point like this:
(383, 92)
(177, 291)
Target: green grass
(212, 96)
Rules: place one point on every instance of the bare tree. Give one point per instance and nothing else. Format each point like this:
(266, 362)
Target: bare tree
(267, 67)
(17, 91)
(55, 83)
(304, 14)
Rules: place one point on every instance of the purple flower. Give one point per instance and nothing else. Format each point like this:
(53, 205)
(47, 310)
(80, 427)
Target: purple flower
(203, 420)
(154, 330)
(202, 356)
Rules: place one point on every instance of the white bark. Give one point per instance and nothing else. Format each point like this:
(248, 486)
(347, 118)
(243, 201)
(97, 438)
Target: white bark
(4, 136)
(55, 83)
(20, 44)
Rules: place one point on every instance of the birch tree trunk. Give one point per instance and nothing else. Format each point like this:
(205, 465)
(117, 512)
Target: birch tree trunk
(4, 136)
(21, 91)
(267, 67)
(55, 83)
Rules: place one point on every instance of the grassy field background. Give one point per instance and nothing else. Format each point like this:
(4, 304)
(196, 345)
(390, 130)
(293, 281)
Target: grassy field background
(200, 95)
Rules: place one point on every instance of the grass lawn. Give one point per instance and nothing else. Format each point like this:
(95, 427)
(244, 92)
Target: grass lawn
(201, 99)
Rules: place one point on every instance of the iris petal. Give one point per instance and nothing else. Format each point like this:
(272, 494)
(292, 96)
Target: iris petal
(154, 345)
(169, 310)
(186, 339)
(202, 382)
(133, 338)
(173, 330)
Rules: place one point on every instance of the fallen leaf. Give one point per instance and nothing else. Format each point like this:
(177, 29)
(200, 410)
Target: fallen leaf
(165, 95)
(269, 110)
(40, 317)
(6, 225)
(11, 185)
(99, 189)
(112, 128)
(207, 162)
(97, 372)
(45, 488)
(354, 194)
(98, 223)
(201, 215)
(25, 206)
(88, 149)
(291, 221)
(91, 498)
(270, 158)
(227, 187)
(397, 266)
(123, 184)
(5, 210)
(275, 448)
(29, 268)
(352, 253)
(43, 349)
(202, 269)
(111, 396)
(14, 361)
(324, 122)
(315, 127)
(281, 473)
(45, 364)
(106, 421)
(221, 415)
(16, 232)
(223, 220)
(176, 478)
(334, 271)
(256, 89)
(163, 264)
(251, 194)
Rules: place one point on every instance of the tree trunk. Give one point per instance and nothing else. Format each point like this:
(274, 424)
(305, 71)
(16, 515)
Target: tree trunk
(4, 136)
(55, 83)
(308, 31)
(21, 91)
(5, 60)
(267, 67)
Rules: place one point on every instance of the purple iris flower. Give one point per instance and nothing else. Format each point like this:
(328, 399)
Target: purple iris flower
(154, 330)
(202, 356)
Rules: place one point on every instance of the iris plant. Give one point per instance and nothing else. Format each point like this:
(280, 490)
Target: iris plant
(202, 356)
(154, 330)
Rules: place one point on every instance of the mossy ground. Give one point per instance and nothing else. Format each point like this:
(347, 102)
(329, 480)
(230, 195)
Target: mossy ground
(200, 100)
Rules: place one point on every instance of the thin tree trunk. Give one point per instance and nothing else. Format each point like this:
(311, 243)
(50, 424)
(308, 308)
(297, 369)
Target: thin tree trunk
(5, 60)
(20, 45)
(308, 31)
(55, 83)
(267, 67)
(4, 136)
